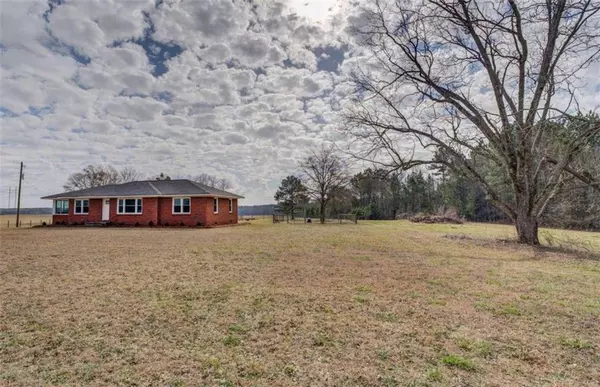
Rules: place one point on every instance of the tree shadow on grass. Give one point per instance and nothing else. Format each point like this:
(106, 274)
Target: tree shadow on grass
(555, 247)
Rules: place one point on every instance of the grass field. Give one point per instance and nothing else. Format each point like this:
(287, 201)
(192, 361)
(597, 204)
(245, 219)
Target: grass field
(10, 221)
(373, 304)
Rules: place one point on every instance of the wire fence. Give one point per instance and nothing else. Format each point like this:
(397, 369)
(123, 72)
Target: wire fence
(25, 221)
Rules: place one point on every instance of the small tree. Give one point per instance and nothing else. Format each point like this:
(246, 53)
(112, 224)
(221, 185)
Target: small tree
(98, 175)
(325, 172)
(290, 194)
(162, 176)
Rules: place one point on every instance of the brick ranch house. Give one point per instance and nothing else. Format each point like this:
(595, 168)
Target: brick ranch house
(147, 203)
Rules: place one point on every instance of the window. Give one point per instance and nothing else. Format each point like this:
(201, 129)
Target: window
(61, 207)
(181, 205)
(129, 206)
(82, 206)
(216, 205)
(230, 206)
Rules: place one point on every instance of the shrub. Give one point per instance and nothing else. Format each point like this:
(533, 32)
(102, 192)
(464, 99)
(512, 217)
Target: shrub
(137, 224)
(151, 223)
(181, 224)
(166, 224)
(199, 224)
(44, 224)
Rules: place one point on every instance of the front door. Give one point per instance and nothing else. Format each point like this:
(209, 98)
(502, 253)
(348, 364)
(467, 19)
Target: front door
(106, 209)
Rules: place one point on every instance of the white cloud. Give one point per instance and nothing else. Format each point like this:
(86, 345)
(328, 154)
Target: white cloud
(182, 88)
(136, 108)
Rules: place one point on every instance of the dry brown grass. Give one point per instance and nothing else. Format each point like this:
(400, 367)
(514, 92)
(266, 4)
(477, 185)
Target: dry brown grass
(10, 221)
(373, 304)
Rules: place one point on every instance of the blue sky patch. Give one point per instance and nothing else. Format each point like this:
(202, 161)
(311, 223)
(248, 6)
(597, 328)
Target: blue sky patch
(330, 58)
(4, 112)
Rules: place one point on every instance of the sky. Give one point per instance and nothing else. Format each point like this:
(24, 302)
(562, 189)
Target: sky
(239, 90)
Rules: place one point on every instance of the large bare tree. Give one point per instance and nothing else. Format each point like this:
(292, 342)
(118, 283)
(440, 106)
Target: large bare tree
(325, 173)
(100, 174)
(470, 79)
(212, 181)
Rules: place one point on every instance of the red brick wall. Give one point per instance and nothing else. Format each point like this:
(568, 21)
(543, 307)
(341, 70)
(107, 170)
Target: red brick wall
(158, 211)
(223, 217)
(94, 213)
(149, 213)
(197, 213)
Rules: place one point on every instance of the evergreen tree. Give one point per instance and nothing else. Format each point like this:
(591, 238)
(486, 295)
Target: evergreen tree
(291, 194)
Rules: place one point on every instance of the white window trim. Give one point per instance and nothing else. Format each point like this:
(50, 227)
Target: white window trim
(136, 206)
(60, 200)
(231, 206)
(215, 200)
(75, 207)
(173, 205)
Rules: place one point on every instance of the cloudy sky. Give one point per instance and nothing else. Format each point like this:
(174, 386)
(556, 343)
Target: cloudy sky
(227, 88)
(240, 89)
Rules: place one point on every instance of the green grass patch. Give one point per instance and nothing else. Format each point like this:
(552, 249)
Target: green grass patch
(389, 381)
(232, 340)
(434, 375)
(576, 343)
(361, 299)
(459, 362)
(510, 310)
(236, 328)
(364, 288)
(322, 339)
(382, 354)
(480, 347)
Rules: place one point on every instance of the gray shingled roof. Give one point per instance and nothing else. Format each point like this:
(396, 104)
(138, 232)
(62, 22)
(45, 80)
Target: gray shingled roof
(147, 188)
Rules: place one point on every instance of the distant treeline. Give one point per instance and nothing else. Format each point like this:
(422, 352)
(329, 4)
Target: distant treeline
(263, 209)
(26, 211)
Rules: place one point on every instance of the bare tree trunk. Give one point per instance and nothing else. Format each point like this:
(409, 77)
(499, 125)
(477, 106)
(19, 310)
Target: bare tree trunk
(527, 229)
(322, 214)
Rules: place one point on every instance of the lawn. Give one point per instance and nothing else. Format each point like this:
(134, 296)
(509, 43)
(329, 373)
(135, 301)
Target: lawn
(372, 304)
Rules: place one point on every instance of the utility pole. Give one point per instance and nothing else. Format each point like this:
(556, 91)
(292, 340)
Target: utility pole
(19, 194)
(9, 194)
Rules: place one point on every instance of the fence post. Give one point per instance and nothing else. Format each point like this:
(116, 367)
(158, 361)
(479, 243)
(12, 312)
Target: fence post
(29, 223)
(8, 224)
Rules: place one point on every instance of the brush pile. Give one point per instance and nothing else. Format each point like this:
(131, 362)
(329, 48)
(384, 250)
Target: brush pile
(431, 218)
